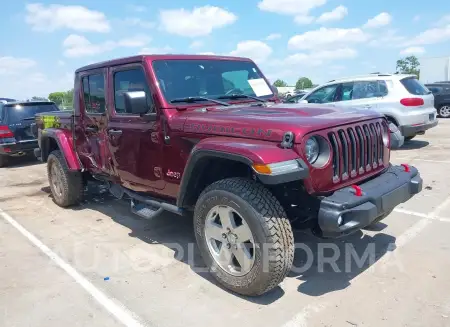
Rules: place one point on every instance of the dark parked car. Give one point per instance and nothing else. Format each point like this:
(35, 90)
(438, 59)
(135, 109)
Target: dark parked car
(441, 92)
(16, 119)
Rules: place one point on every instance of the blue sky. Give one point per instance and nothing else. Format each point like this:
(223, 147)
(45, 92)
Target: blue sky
(44, 42)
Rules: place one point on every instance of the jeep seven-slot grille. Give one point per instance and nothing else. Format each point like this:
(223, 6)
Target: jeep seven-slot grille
(356, 150)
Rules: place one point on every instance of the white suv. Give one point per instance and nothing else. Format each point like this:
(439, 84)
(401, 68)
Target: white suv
(401, 98)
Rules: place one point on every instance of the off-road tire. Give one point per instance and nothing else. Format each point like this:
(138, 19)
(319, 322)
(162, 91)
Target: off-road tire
(71, 182)
(269, 225)
(3, 161)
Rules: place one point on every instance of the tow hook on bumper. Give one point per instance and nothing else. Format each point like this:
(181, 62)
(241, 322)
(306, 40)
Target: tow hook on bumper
(355, 207)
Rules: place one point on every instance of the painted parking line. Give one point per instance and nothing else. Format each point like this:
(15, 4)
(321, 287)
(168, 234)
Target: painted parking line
(116, 309)
(301, 318)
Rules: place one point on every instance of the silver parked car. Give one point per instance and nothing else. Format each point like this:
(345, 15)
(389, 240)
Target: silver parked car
(402, 98)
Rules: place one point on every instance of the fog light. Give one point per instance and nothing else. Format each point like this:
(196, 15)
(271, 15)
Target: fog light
(340, 221)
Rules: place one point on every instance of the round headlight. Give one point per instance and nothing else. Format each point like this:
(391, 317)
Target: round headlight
(312, 150)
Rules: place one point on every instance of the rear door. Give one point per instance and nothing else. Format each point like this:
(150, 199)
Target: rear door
(91, 143)
(21, 117)
(363, 95)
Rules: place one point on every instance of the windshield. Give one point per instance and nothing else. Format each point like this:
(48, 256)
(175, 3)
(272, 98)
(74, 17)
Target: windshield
(213, 79)
(16, 113)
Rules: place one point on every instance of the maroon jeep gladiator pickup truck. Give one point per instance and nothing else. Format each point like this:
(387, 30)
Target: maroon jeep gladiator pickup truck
(206, 135)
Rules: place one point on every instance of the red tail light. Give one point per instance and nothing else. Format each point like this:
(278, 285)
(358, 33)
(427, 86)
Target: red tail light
(5, 132)
(412, 102)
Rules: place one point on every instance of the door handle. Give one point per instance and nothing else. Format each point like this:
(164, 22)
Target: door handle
(115, 132)
(91, 129)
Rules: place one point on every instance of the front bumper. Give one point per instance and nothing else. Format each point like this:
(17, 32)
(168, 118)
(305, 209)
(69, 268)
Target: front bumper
(379, 196)
(17, 149)
(411, 130)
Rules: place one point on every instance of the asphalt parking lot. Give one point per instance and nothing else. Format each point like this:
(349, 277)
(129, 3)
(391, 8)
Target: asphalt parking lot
(98, 265)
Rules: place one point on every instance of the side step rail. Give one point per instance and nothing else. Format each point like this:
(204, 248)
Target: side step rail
(144, 206)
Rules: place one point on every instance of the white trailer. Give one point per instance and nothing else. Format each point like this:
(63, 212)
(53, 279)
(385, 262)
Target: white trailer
(434, 69)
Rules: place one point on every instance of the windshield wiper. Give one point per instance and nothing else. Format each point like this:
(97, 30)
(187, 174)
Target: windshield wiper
(195, 99)
(238, 96)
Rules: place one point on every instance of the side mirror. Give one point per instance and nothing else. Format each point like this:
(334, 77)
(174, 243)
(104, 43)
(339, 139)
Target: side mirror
(136, 102)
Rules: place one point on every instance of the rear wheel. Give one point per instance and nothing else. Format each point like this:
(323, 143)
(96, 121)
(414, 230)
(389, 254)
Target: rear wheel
(66, 185)
(3, 161)
(444, 111)
(244, 236)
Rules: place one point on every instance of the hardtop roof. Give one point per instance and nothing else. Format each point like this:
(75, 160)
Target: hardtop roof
(140, 58)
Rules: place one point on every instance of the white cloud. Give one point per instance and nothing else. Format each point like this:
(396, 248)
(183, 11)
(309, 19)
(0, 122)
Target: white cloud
(412, 50)
(445, 20)
(53, 17)
(197, 22)
(35, 83)
(290, 7)
(79, 46)
(303, 19)
(156, 50)
(196, 44)
(336, 14)
(326, 38)
(134, 21)
(273, 36)
(390, 38)
(256, 50)
(207, 53)
(430, 36)
(13, 65)
(379, 20)
(315, 58)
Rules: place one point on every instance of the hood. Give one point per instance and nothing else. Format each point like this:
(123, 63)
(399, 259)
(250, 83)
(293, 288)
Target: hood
(270, 123)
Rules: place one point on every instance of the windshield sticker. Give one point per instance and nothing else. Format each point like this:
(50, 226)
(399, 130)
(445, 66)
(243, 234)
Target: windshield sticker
(260, 87)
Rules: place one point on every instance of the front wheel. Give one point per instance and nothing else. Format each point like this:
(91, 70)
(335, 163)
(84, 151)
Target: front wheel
(444, 111)
(244, 236)
(66, 185)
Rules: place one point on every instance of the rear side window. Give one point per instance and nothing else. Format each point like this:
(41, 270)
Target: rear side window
(94, 93)
(369, 89)
(18, 112)
(413, 86)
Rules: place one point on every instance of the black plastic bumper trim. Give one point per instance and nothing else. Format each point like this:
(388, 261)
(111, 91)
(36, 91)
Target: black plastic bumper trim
(380, 195)
(413, 130)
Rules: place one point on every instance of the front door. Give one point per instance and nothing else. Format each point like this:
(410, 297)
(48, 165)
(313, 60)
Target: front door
(135, 141)
(91, 140)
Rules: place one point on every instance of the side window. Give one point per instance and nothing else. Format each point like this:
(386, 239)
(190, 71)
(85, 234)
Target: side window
(94, 93)
(129, 81)
(369, 89)
(324, 94)
(347, 91)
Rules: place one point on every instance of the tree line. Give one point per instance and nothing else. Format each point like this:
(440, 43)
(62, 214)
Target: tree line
(407, 65)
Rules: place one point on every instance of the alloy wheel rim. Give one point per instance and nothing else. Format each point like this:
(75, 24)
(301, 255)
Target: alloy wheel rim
(230, 240)
(445, 111)
(56, 182)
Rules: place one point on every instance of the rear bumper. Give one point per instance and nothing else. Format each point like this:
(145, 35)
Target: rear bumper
(379, 196)
(18, 148)
(411, 130)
